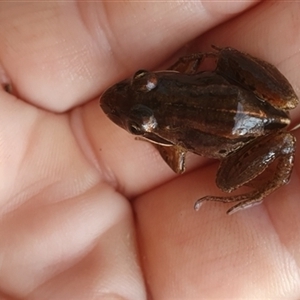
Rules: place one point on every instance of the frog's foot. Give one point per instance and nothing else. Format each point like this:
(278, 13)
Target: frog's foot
(245, 201)
(280, 148)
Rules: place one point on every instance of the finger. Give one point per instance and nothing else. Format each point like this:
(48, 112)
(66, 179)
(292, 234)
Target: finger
(60, 223)
(72, 52)
(209, 253)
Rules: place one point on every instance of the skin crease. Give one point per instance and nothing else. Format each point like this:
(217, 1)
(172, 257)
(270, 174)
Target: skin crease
(67, 229)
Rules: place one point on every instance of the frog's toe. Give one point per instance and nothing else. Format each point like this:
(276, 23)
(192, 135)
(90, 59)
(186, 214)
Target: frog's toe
(243, 205)
(199, 203)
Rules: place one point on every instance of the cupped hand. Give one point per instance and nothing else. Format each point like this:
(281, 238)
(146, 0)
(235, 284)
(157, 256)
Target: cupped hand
(86, 211)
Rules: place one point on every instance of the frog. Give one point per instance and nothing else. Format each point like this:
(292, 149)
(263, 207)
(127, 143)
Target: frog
(236, 111)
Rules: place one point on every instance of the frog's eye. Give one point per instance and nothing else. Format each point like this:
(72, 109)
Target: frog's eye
(141, 119)
(144, 81)
(134, 128)
(139, 74)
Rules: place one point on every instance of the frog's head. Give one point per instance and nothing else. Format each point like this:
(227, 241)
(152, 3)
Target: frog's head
(123, 103)
(128, 102)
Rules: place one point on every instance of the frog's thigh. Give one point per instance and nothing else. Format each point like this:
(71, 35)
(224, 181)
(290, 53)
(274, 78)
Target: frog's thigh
(262, 78)
(251, 160)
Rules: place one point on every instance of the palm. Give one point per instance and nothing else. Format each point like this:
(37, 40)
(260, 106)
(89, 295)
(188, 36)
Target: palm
(67, 229)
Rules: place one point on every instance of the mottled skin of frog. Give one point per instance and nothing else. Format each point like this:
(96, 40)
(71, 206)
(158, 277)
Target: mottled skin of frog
(237, 113)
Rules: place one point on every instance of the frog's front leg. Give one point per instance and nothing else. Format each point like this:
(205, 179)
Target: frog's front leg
(174, 156)
(189, 64)
(250, 161)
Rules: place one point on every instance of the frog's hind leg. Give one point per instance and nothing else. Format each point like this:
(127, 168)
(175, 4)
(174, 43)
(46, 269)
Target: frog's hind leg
(280, 147)
(244, 201)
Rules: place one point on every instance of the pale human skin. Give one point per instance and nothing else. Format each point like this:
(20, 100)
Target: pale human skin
(87, 212)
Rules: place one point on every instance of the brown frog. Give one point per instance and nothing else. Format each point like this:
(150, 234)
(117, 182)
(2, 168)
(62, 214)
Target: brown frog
(237, 113)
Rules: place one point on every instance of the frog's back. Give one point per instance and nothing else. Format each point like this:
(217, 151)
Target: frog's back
(208, 103)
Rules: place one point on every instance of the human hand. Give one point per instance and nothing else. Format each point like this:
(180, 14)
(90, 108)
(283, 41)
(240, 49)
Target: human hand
(68, 230)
